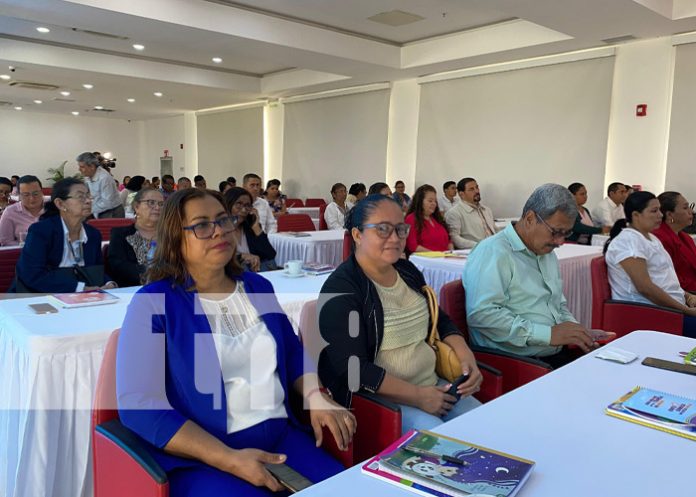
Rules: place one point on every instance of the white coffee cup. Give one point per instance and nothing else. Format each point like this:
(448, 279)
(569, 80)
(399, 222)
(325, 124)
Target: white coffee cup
(293, 267)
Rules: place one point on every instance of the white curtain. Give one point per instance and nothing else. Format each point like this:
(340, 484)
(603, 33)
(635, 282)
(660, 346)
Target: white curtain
(334, 140)
(230, 143)
(514, 130)
(681, 157)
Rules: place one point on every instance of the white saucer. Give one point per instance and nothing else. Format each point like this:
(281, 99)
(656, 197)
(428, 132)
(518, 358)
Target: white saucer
(288, 275)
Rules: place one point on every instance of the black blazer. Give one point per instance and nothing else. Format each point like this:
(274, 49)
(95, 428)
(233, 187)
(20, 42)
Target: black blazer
(347, 291)
(259, 245)
(123, 263)
(582, 229)
(38, 265)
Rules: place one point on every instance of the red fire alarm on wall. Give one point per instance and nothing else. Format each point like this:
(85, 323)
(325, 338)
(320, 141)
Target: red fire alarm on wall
(641, 110)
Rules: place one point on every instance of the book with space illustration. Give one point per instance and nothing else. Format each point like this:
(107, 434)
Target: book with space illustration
(431, 464)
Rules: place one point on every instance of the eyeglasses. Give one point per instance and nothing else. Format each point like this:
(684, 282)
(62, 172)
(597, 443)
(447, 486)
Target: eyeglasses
(152, 203)
(82, 197)
(384, 230)
(206, 229)
(242, 205)
(555, 232)
(37, 193)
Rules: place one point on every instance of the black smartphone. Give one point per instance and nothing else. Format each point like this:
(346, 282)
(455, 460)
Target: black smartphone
(43, 308)
(678, 367)
(288, 477)
(455, 384)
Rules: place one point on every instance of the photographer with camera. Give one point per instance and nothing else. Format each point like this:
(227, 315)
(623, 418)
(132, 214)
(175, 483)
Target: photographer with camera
(106, 202)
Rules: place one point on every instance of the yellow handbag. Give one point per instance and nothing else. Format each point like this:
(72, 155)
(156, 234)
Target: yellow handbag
(447, 365)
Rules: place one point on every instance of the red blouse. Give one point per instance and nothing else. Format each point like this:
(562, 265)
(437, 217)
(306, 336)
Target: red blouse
(682, 249)
(433, 237)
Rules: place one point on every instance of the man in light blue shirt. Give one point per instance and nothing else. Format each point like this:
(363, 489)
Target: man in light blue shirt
(514, 291)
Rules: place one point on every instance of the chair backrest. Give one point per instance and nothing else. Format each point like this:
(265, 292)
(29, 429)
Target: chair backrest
(347, 244)
(47, 190)
(315, 202)
(601, 292)
(295, 222)
(105, 258)
(453, 302)
(104, 407)
(8, 262)
(294, 202)
(322, 221)
(105, 225)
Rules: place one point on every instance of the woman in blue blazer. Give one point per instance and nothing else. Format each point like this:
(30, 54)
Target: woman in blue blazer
(207, 360)
(62, 253)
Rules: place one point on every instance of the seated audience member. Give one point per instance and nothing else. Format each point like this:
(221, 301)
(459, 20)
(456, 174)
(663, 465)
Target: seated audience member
(400, 195)
(199, 182)
(676, 215)
(356, 193)
(611, 209)
(387, 340)
(232, 181)
(449, 197)
(584, 228)
(640, 269)
(335, 213)
(252, 184)
(16, 219)
(62, 253)
(106, 202)
(218, 330)
(15, 187)
(155, 183)
(5, 192)
(167, 186)
(514, 292)
(428, 228)
(629, 189)
(253, 248)
(135, 184)
(381, 188)
(275, 199)
(126, 179)
(469, 220)
(132, 247)
(183, 183)
(224, 186)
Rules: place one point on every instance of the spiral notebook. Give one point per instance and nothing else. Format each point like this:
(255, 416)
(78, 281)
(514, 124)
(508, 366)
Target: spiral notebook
(659, 410)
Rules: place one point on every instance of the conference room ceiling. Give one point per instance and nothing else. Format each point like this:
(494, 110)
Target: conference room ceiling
(282, 48)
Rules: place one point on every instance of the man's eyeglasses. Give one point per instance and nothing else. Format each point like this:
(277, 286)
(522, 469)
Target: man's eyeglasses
(81, 197)
(555, 232)
(206, 229)
(384, 230)
(152, 203)
(35, 194)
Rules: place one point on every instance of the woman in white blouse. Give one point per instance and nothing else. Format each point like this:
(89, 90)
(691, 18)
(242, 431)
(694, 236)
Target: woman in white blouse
(335, 213)
(640, 269)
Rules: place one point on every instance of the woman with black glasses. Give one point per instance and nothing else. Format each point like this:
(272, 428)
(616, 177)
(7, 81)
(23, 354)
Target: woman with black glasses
(389, 336)
(132, 247)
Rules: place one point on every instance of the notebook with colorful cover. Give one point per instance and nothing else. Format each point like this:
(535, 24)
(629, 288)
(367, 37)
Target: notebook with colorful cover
(434, 465)
(317, 268)
(654, 409)
(83, 299)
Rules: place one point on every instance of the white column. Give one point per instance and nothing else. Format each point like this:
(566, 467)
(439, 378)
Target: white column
(402, 138)
(273, 126)
(190, 164)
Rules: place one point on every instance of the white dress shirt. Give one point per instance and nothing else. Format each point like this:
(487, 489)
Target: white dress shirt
(266, 219)
(446, 204)
(105, 194)
(335, 217)
(468, 225)
(607, 213)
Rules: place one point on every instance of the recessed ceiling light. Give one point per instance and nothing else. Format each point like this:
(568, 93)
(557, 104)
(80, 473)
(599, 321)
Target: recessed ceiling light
(75, 113)
(138, 46)
(42, 29)
(38, 101)
(158, 93)
(65, 93)
(5, 77)
(131, 100)
(98, 107)
(87, 86)
(18, 107)
(217, 60)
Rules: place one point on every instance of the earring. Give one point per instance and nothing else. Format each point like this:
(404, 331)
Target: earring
(671, 220)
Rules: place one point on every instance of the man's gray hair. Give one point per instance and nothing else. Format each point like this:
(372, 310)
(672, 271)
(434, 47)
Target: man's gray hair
(88, 158)
(550, 198)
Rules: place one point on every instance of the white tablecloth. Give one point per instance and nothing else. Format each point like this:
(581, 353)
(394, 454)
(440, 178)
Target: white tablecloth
(558, 421)
(325, 247)
(573, 260)
(49, 365)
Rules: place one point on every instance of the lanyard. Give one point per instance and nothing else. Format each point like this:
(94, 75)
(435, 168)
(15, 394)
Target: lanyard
(77, 258)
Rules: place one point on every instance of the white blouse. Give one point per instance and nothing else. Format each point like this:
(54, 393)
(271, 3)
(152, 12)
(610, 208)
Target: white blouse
(335, 216)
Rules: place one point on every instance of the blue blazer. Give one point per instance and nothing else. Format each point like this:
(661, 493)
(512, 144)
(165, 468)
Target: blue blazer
(43, 251)
(167, 369)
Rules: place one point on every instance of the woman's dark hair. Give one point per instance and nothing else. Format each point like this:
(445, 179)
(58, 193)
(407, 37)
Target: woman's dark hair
(668, 202)
(6, 181)
(399, 182)
(575, 187)
(356, 188)
(416, 208)
(635, 202)
(336, 187)
(377, 187)
(61, 190)
(230, 198)
(362, 210)
(169, 260)
(135, 183)
(223, 185)
(272, 182)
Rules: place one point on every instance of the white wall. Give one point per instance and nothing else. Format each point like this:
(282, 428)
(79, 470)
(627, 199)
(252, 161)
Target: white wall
(30, 143)
(158, 135)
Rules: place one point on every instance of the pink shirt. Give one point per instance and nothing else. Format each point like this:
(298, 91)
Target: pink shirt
(15, 220)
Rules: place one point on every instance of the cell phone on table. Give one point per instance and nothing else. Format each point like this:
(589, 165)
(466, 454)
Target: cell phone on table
(455, 384)
(288, 477)
(43, 308)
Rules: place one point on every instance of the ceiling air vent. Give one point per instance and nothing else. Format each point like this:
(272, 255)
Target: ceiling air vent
(619, 39)
(30, 85)
(102, 110)
(395, 18)
(99, 33)
(5, 104)
(58, 99)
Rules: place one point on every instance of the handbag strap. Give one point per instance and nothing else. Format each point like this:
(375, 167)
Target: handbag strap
(434, 309)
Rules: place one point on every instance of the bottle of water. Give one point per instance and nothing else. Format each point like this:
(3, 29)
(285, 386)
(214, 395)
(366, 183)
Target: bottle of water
(151, 252)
